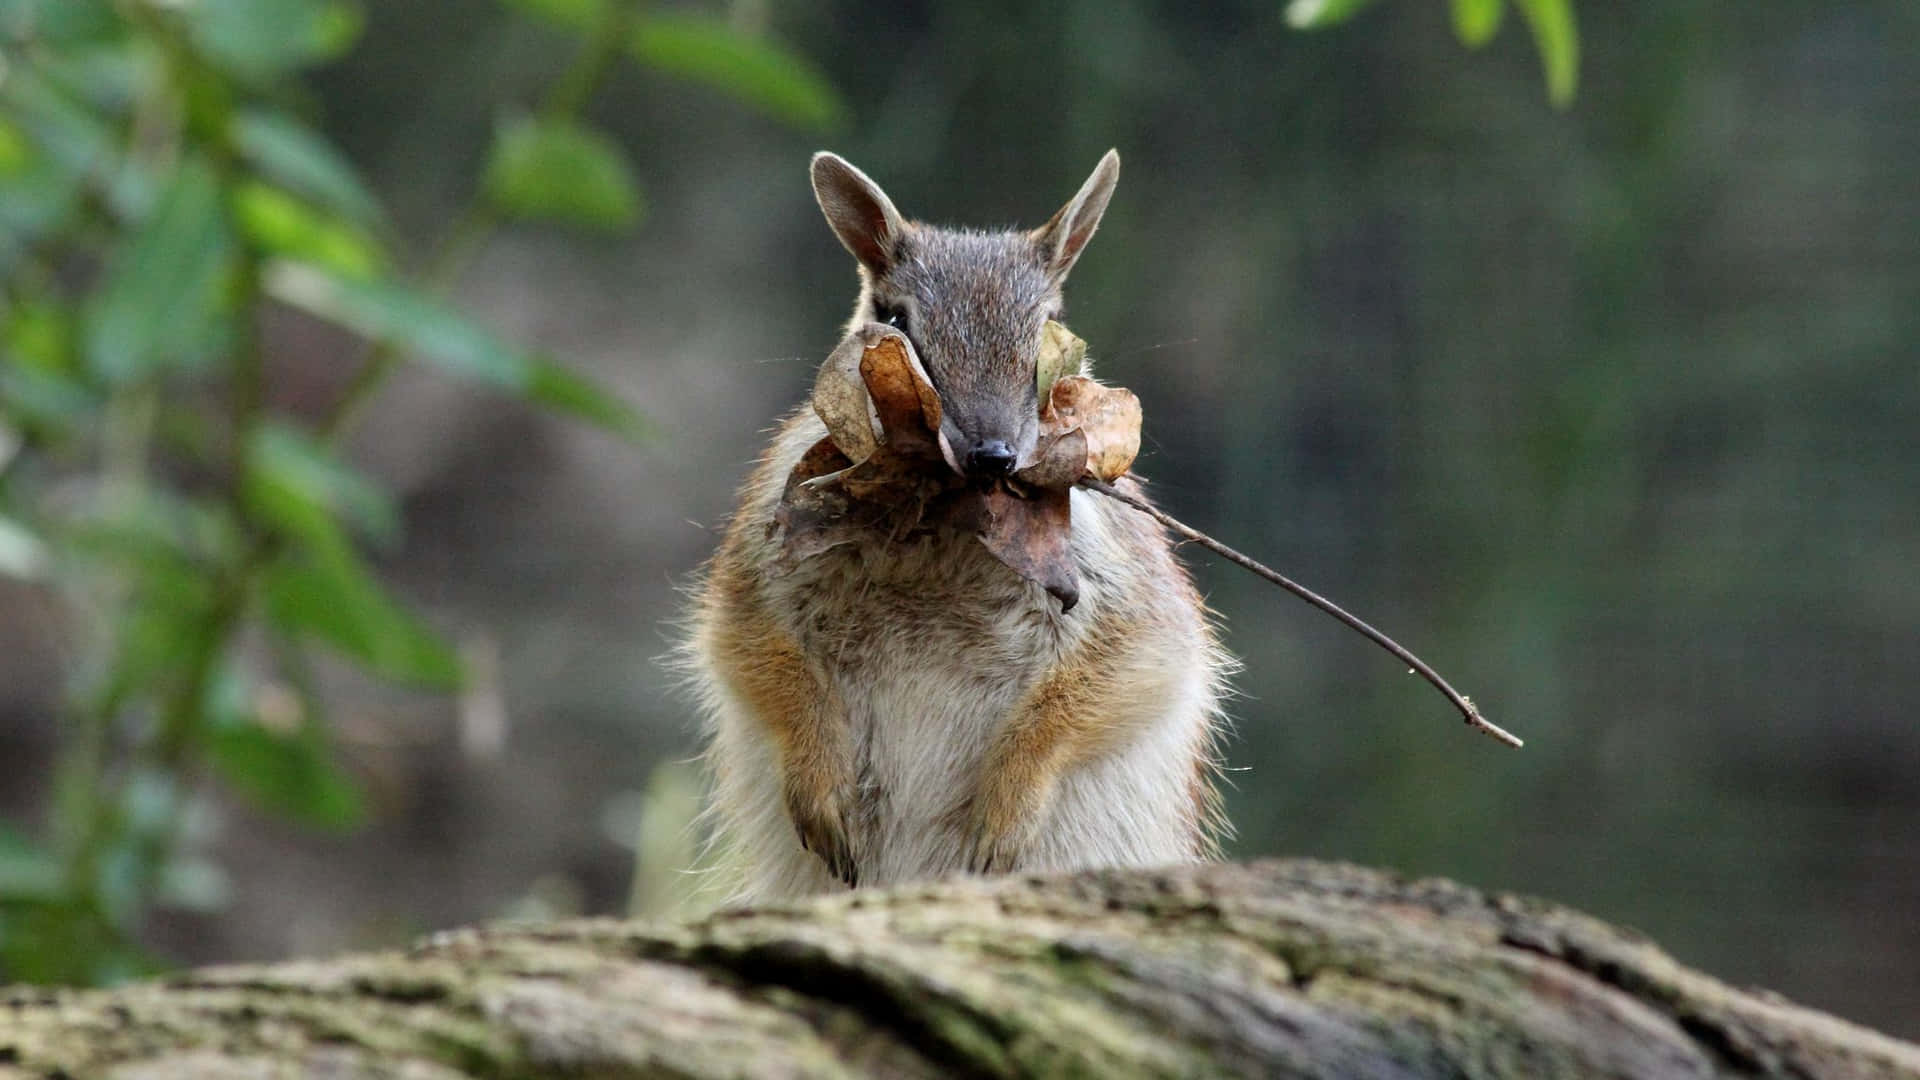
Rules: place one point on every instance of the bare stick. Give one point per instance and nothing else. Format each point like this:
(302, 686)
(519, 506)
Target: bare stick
(1460, 701)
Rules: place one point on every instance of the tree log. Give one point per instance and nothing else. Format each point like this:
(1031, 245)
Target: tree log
(1271, 969)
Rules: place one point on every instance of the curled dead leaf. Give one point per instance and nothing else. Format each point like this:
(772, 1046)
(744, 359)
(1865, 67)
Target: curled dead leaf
(1062, 461)
(841, 401)
(1109, 416)
(903, 395)
(874, 390)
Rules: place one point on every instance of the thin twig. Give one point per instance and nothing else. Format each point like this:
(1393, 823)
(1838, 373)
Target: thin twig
(1468, 709)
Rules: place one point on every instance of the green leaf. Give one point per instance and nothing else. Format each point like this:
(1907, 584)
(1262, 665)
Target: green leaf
(156, 528)
(287, 775)
(563, 391)
(62, 22)
(172, 607)
(38, 333)
(39, 384)
(107, 76)
(1557, 37)
(40, 398)
(286, 467)
(1476, 21)
(388, 311)
(573, 14)
(284, 765)
(259, 40)
(31, 205)
(330, 595)
(15, 153)
(280, 224)
(301, 159)
(160, 295)
(35, 200)
(65, 148)
(561, 170)
(165, 549)
(751, 68)
(26, 871)
(73, 137)
(1319, 14)
(322, 589)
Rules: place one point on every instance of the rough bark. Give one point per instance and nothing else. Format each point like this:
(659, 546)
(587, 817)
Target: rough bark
(1273, 969)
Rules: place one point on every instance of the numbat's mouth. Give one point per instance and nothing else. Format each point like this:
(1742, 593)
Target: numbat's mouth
(878, 474)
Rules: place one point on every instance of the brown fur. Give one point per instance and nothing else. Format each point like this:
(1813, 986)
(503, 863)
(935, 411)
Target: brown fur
(802, 713)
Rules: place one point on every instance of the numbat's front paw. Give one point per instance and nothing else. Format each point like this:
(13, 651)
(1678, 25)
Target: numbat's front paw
(991, 854)
(997, 837)
(821, 821)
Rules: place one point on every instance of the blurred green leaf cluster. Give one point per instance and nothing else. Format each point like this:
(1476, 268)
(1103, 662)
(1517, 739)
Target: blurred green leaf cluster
(161, 187)
(1475, 22)
(702, 48)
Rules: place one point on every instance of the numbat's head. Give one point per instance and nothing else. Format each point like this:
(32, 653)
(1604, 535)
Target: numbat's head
(971, 302)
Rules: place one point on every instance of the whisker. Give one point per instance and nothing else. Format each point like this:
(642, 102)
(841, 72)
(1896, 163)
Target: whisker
(1117, 354)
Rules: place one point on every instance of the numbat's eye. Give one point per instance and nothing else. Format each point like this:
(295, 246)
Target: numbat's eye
(892, 316)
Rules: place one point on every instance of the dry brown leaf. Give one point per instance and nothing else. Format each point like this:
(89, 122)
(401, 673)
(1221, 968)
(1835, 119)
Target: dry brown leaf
(1108, 415)
(903, 395)
(841, 401)
(1062, 461)
(1034, 538)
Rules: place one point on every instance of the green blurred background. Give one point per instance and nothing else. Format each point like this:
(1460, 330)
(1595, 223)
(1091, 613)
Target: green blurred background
(1610, 413)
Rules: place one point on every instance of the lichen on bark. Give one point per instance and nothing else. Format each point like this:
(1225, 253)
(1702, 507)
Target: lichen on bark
(1271, 969)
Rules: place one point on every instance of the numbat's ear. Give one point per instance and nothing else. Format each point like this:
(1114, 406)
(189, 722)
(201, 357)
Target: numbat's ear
(860, 213)
(1062, 239)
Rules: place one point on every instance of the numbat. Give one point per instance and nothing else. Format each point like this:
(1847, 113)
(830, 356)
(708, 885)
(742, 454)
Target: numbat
(903, 704)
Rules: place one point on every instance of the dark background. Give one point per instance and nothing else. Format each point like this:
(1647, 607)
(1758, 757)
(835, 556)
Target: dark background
(1610, 414)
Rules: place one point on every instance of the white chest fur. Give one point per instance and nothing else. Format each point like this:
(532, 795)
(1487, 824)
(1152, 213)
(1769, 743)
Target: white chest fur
(931, 645)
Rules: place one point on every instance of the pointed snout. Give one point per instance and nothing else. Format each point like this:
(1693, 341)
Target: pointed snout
(990, 459)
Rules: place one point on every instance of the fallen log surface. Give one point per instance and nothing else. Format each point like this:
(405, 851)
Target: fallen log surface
(1286, 968)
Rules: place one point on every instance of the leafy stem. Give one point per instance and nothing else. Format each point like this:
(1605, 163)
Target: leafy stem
(475, 224)
(96, 803)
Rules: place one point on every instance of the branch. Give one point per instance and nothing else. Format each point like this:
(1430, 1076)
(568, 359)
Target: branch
(1468, 709)
(1272, 969)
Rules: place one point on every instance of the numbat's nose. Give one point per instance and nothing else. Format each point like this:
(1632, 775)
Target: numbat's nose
(990, 458)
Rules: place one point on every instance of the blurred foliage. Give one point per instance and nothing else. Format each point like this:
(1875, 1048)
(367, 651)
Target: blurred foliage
(1475, 22)
(161, 186)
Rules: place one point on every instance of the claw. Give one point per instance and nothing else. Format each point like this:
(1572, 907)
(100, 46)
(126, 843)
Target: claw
(990, 850)
(1000, 830)
(821, 827)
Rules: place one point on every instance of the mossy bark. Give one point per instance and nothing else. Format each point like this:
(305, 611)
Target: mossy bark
(1270, 969)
